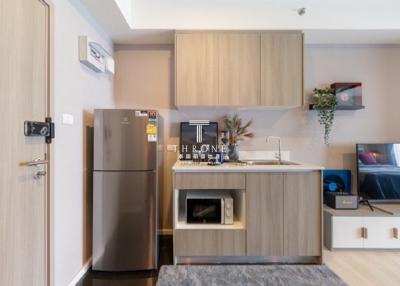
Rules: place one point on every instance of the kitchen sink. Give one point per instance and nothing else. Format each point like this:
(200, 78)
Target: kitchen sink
(266, 162)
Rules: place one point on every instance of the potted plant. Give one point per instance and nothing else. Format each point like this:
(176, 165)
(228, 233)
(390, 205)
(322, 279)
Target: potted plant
(324, 101)
(236, 133)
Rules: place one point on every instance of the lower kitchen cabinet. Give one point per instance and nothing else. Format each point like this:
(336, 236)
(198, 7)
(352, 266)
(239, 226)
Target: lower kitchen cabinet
(278, 217)
(284, 214)
(265, 214)
(209, 242)
(302, 214)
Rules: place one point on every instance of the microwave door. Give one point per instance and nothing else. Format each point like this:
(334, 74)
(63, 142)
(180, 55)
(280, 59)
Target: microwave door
(203, 211)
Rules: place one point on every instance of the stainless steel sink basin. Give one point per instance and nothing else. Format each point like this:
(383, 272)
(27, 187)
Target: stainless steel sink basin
(266, 162)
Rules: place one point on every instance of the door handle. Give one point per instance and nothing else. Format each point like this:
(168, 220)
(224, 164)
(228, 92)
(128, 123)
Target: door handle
(396, 232)
(34, 163)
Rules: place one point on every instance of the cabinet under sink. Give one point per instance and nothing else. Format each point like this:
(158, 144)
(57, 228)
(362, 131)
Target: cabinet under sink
(278, 218)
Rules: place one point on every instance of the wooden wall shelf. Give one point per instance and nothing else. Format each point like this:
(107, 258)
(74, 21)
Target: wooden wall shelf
(311, 107)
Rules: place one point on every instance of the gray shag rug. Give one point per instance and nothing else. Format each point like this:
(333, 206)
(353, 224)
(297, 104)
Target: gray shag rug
(232, 275)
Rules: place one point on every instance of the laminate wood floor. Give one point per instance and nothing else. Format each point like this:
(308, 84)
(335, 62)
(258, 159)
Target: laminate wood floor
(356, 268)
(365, 268)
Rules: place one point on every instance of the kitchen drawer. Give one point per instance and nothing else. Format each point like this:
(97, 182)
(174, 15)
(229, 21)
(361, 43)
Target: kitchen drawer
(210, 242)
(210, 181)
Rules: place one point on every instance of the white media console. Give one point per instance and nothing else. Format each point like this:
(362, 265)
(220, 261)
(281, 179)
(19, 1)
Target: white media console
(362, 228)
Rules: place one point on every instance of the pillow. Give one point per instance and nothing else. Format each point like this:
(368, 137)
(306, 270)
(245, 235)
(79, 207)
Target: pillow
(368, 158)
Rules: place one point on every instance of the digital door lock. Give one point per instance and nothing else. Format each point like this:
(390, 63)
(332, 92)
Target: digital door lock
(36, 128)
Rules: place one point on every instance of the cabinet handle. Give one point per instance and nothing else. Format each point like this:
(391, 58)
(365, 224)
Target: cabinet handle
(396, 232)
(364, 232)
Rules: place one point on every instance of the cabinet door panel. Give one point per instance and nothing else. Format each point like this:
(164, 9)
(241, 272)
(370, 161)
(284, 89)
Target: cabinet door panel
(265, 214)
(239, 69)
(282, 69)
(302, 214)
(207, 242)
(196, 69)
(209, 181)
(346, 232)
(380, 232)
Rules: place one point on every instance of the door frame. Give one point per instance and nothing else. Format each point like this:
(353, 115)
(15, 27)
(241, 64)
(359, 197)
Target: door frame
(50, 266)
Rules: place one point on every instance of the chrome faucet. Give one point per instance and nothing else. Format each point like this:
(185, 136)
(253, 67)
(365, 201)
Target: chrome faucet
(279, 156)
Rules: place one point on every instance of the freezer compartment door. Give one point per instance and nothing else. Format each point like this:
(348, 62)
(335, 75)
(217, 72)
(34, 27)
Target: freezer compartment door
(125, 221)
(125, 140)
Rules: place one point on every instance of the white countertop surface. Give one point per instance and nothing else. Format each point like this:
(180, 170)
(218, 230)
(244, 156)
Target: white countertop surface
(189, 166)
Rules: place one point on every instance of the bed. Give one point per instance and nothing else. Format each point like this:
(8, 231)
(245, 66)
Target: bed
(380, 182)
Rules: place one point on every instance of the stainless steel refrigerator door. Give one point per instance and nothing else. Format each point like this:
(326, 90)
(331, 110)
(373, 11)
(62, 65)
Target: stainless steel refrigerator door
(121, 141)
(125, 221)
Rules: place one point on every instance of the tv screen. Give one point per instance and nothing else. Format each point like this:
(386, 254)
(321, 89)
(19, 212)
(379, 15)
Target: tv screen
(378, 172)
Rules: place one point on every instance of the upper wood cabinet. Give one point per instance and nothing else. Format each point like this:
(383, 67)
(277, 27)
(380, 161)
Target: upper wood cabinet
(239, 69)
(282, 69)
(196, 69)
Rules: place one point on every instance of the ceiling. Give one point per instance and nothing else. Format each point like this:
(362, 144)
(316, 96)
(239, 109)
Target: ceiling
(325, 21)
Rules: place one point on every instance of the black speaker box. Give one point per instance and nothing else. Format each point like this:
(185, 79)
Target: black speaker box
(342, 201)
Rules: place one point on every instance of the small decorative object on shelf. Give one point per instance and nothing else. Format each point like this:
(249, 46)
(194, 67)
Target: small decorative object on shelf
(324, 101)
(236, 133)
(348, 95)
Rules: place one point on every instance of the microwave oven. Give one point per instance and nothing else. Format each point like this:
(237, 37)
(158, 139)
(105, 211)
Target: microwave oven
(209, 207)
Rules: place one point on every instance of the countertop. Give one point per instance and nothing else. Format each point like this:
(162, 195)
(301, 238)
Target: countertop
(189, 166)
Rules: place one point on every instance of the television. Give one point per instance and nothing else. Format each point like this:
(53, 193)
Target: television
(378, 172)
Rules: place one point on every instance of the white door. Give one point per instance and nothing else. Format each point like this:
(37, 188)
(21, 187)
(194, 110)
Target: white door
(24, 93)
(347, 232)
(381, 233)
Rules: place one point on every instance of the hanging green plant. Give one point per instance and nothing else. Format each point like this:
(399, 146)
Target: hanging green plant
(324, 101)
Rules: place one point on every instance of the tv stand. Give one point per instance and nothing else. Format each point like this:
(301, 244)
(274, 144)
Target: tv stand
(362, 228)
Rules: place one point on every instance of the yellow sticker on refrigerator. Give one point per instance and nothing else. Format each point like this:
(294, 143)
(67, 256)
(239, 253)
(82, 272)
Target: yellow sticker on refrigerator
(151, 129)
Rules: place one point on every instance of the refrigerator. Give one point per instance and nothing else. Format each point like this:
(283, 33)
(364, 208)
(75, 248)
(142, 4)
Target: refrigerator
(125, 190)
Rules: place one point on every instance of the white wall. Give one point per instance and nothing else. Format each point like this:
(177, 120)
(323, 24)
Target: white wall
(145, 79)
(77, 90)
(265, 14)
